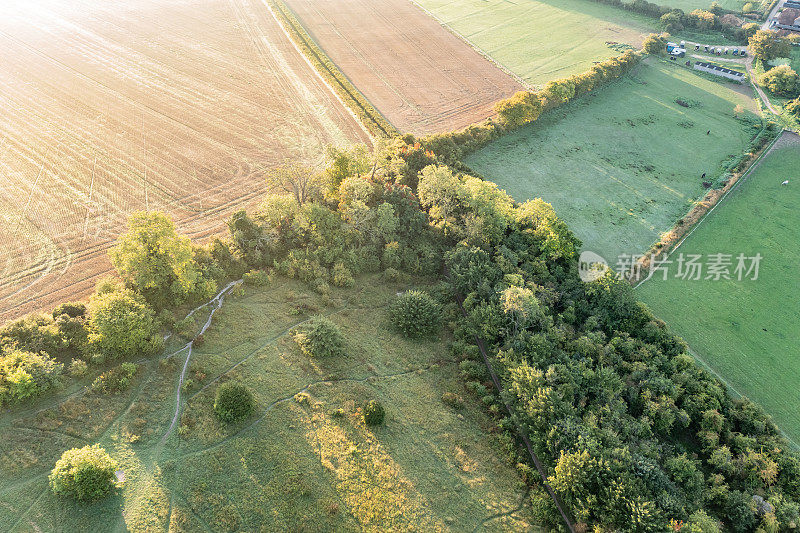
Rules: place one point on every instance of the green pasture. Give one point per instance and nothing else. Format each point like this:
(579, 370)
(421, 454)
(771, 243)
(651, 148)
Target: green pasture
(304, 461)
(543, 40)
(623, 164)
(746, 331)
(690, 5)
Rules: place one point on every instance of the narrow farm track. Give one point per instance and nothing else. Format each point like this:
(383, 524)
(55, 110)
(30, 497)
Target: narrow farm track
(112, 107)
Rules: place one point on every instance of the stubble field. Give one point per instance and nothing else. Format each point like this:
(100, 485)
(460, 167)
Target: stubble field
(111, 107)
(420, 76)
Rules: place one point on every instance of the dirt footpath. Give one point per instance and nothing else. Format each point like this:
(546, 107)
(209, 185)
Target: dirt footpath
(420, 76)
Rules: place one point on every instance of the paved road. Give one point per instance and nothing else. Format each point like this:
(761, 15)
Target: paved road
(772, 14)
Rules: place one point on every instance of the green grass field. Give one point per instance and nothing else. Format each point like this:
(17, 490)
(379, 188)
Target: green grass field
(543, 40)
(691, 5)
(622, 165)
(297, 464)
(747, 331)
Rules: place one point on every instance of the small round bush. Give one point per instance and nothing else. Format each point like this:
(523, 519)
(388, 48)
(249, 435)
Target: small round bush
(415, 314)
(85, 474)
(233, 402)
(374, 413)
(320, 338)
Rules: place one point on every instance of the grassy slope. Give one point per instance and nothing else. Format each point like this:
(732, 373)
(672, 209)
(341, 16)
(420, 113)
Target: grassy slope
(617, 166)
(747, 331)
(542, 40)
(294, 465)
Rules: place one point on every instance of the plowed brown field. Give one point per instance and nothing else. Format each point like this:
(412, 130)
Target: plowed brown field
(107, 107)
(423, 78)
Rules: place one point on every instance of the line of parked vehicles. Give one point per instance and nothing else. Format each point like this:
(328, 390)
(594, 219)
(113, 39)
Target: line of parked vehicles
(719, 50)
(679, 50)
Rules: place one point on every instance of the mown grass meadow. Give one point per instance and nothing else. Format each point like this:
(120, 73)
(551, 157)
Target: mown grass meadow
(623, 164)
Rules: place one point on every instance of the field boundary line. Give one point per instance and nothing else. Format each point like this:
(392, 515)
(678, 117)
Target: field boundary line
(735, 391)
(332, 89)
(647, 259)
(754, 165)
(483, 53)
(369, 116)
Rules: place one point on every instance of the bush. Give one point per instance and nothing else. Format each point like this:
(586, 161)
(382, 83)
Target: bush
(122, 325)
(233, 402)
(780, 80)
(341, 276)
(655, 44)
(320, 338)
(115, 380)
(374, 413)
(72, 310)
(257, 278)
(453, 400)
(25, 375)
(415, 314)
(78, 368)
(85, 474)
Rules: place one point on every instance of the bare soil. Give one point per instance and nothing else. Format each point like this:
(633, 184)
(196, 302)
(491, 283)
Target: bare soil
(421, 77)
(108, 107)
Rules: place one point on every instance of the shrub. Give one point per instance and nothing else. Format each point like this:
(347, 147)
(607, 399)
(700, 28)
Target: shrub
(257, 278)
(122, 325)
(72, 310)
(453, 400)
(793, 107)
(780, 80)
(655, 44)
(320, 338)
(25, 375)
(374, 413)
(86, 473)
(78, 368)
(233, 402)
(115, 380)
(415, 314)
(341, 276)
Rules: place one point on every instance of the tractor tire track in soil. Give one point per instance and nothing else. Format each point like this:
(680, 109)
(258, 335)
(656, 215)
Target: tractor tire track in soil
(421, 77)
(117, 107)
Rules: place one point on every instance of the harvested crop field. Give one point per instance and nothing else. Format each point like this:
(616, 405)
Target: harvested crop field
(111, 107)
(420, 76)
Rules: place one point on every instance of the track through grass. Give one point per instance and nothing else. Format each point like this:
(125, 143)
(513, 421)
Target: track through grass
(304, 461)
